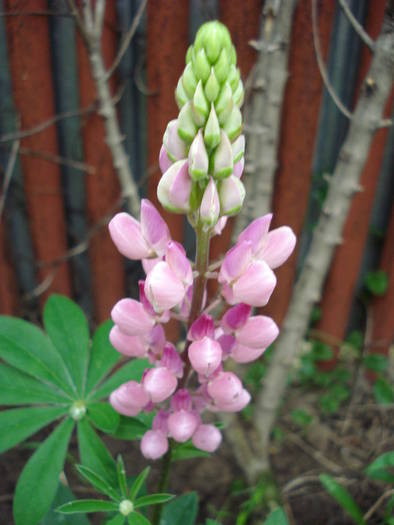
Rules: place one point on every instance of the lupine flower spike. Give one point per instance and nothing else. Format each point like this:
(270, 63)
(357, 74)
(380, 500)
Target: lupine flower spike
(202, 161)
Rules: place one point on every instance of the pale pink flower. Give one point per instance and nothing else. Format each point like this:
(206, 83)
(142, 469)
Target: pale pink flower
(154, 444)
(182, 425)
(207, 437)
(129, 399)
(160, 383)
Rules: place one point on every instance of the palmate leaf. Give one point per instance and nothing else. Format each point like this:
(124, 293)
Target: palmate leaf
(98, 482)
(135, 518)
(277, 517)
(122, 478)
(119, 519)
(152, 499)
(181, 511)
(138, 482)
(86, 506)
(19, 423)
(63, 495)
(130, 428)
(38, 482)
(17, 388)
(68, 330)
(27, 348)
(103, 417)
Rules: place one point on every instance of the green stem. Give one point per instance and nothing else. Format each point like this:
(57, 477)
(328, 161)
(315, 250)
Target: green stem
(162, 486)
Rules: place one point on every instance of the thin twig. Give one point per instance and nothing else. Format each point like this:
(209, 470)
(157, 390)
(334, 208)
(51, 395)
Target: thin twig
(357, 26)
(78, 20)
(377, 504)
(57, 159)
(9, 137)
(99, 13)
(127, 39)
(315, 454)
(8, 175)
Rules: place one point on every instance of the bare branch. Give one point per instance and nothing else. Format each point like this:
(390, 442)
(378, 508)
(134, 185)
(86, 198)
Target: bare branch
(127, 38)
(377, 504)
(57, 159)
(99, 13)
(8, 174)
(357, 26)
(78, 20)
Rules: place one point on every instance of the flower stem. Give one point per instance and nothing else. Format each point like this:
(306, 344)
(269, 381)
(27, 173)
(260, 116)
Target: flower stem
(162, 486)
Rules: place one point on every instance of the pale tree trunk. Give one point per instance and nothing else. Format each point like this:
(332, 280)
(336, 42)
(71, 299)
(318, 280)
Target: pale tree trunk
(263, 110)
(344, 183)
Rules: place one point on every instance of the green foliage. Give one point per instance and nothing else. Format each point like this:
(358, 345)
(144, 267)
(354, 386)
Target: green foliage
(375, 362)
(377, 282)
(382, 468)
(383, 391)
(181, 511)
(343, 497)
(301, 418)
(355, 339)
(63, 495)
(187, 450)
(67, 377)
(277, 517)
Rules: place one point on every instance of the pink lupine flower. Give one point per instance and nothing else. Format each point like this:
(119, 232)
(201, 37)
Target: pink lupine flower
(182, 424)
(202, 326)
(173, 190)
(232, 195)
(207, 437)
(172, 360)
(179, 263)
(258, 332)
(198, 160)
(235, 317)
(149, 264)
(275, 246)
(205, 355)
(239, 168)
(238, 148)
(173, 144)
(237, 404)
(154, 444)
(131, 317)
(163, 288)
(160, 421)
(210, 205)
(130, 345)
(160, 383)
(140, 240)
(223, 157)
(225, 388)
(220, 225)
(181, 400)
(164, 160)
(129, 399)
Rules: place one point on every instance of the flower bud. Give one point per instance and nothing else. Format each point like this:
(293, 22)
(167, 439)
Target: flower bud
(233, 55)
(237, 404)
(187, 128)
(180, 94)
(201, 66)
(225, 388)
(234, 77)
(181, 400)
(173, 190)
(207, 437)
(224, 104)
(239, 94)
(198, 158)
(222, 65)
(223, 158)
(205, 355)
(182, 425)
(238, 147)
(212, 87)
(130, 345)
(239, 168)
(210, 205)
(131, 317)
(212, 130)
(200, 105)
(233, 124)
(202, 326)
(127, 236)
(175, 146)
(160, 383)
(160, 421)
(189, 80)
(172, 360)
(163, 288)
(231, 194)
(164, 161)
(189, 54)
(236, 317)
(154, 444)
(129, 399)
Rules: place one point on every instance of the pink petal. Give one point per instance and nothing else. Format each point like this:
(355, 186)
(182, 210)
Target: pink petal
(239, 168)
(129, 398)
(174, 145)
(163, 288)
(235, 317)
(127, 236)
(220, 225)
(172, 360)
(202, 326)
(245, 354)
(210, 205)
(159, 383)
(227, 342)
(181, 400)
(279, 246)
(255, 285)
(238, 404)
(154, 228)
(164, 161)
(205, 355)
(235, 262)
(179, 263)
(154, 444)
(131, 317)
(179, 191)
(225, 388)
(148, 264)
(207, 437)
(131, 345)
(258, 332)
(160, 421)
(182, 425)
(232, 195)
(256, 231)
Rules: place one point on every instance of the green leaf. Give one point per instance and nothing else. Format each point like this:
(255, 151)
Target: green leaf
(117, 520)
(343, 497)
(382, 468)
(301, 417)
(212, 522)
(135, 518)
(38, 483)
(87, 505)
(68, 330)
(131, 428)
(383, 391)
(63, 495)
(187, 450)
(181, 511)
(377, 282)
(103, 416)
(321, 351)
(137, 484)
(98, 482)
(27, 348)
(152, 499)
(17, 388)
(277, 517)
(355, 339)
(375, 362)
(122, 478)
(132, 370)
(20, 423)
(94, 454)
(103, 356)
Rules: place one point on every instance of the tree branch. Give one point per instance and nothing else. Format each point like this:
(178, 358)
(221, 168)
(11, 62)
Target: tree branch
(344, 184)
(357, 26)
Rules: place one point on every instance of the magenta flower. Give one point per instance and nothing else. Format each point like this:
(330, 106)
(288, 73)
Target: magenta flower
(182, 424)
(130, 345)
(154, 444)
(129, 399)
(131, 317)
(159, 383)
(207, 437)
(205, 355)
